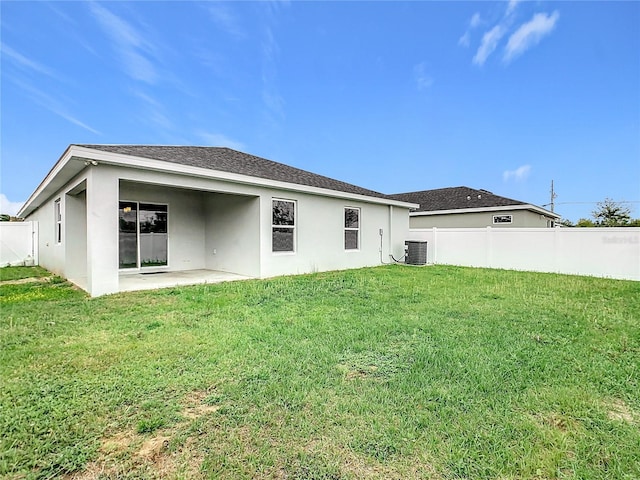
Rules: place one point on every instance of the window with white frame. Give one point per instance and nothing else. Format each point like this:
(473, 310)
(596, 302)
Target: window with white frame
(351, 228)
(57, 212)
(500, 219)
(283, 225)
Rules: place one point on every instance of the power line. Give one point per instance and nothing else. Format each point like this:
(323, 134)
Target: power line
(600, 201)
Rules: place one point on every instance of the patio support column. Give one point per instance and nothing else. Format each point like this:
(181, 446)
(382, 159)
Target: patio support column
(102, 230)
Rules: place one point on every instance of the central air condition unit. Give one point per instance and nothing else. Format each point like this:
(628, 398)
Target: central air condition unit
(416, 253)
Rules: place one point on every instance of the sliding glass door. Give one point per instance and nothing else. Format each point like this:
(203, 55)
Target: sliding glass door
(128, 237)
(153, 235)
(143, 236)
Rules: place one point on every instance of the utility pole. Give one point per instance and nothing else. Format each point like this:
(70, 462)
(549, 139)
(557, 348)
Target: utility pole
(553, 197)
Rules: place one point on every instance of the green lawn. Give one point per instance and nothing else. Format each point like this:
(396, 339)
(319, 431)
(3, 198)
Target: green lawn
(391, 372)
(18, 273)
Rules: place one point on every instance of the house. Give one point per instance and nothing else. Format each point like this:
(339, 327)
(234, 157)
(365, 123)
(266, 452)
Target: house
(110, 214)
(469, 207)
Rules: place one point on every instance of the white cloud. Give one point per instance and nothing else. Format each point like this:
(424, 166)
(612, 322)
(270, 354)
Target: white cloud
(489, 43)
(27, 63)
(220, 140)
(130, 44)
(511, 6)
(54, 105)
(224, 18)
(475, 20)
(465, 39)
(271, 97)
(9, 207)
(153, 111)
(519, 174)
(422, 78)
(529, 34)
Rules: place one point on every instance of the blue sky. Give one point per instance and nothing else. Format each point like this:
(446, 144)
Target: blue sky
(392, 96)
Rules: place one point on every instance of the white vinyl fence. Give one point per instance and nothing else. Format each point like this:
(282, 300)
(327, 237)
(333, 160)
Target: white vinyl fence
(599, 252)
(18, 243)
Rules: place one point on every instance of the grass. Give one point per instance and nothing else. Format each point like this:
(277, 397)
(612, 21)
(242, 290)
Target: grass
(18, 273)
(392, 372)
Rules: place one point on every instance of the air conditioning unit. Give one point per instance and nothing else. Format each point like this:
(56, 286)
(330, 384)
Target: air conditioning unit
(415, 252)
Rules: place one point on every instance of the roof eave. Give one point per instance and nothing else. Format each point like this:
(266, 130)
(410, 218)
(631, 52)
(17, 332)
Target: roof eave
(77, 152)
(526, 206)
(29, 206)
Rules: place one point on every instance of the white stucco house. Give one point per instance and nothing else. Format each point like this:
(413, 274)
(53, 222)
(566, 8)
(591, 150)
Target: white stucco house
(465, 207)
(109, 213)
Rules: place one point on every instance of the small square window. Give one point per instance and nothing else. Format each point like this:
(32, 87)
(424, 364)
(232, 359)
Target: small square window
(501, 219)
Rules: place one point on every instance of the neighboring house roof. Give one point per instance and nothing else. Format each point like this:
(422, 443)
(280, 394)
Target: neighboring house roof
(232, 161)
(456, 199)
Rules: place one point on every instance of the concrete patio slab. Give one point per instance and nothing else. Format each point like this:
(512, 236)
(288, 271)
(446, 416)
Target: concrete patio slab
(130, 282)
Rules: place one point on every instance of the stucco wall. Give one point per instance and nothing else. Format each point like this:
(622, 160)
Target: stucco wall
(232, 236)
(75, 237)
(51, 254)
(214, 224)
(236, 222)
(520, 219)
(320, 235)
(186, 221)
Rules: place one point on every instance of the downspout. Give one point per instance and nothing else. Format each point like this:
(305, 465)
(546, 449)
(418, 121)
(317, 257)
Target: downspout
(381, 232)
(391, 231)
(390, 237)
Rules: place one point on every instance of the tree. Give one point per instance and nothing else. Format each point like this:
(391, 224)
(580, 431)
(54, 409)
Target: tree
(611, 214)
(585, 222)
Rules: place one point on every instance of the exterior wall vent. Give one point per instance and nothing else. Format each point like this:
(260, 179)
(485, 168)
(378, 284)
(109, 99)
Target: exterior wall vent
(416, 252)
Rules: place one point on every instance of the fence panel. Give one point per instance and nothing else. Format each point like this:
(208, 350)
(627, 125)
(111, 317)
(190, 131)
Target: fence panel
(18, 243)
(601, 252)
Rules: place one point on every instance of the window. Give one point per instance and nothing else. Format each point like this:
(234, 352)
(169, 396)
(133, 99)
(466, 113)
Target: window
(499, 219)
(57, 209)
(351, 228)
(283, 225)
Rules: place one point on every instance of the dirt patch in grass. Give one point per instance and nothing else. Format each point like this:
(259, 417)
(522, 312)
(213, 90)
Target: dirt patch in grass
(344, 463)
(559, 422)
(153, 448)
(120, 442)
(26, 280)
(620, 411)
(94, 470)
(128, 452)
(195, 405)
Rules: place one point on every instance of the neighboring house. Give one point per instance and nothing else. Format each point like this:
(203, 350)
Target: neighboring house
(467, 207)
(108, 211)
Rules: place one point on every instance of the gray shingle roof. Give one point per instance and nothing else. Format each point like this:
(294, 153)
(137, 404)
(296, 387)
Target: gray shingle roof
(454, 198)
(231, 161)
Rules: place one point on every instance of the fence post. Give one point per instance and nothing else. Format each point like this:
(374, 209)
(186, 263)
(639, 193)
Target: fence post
(489, 248)
(556, 248)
